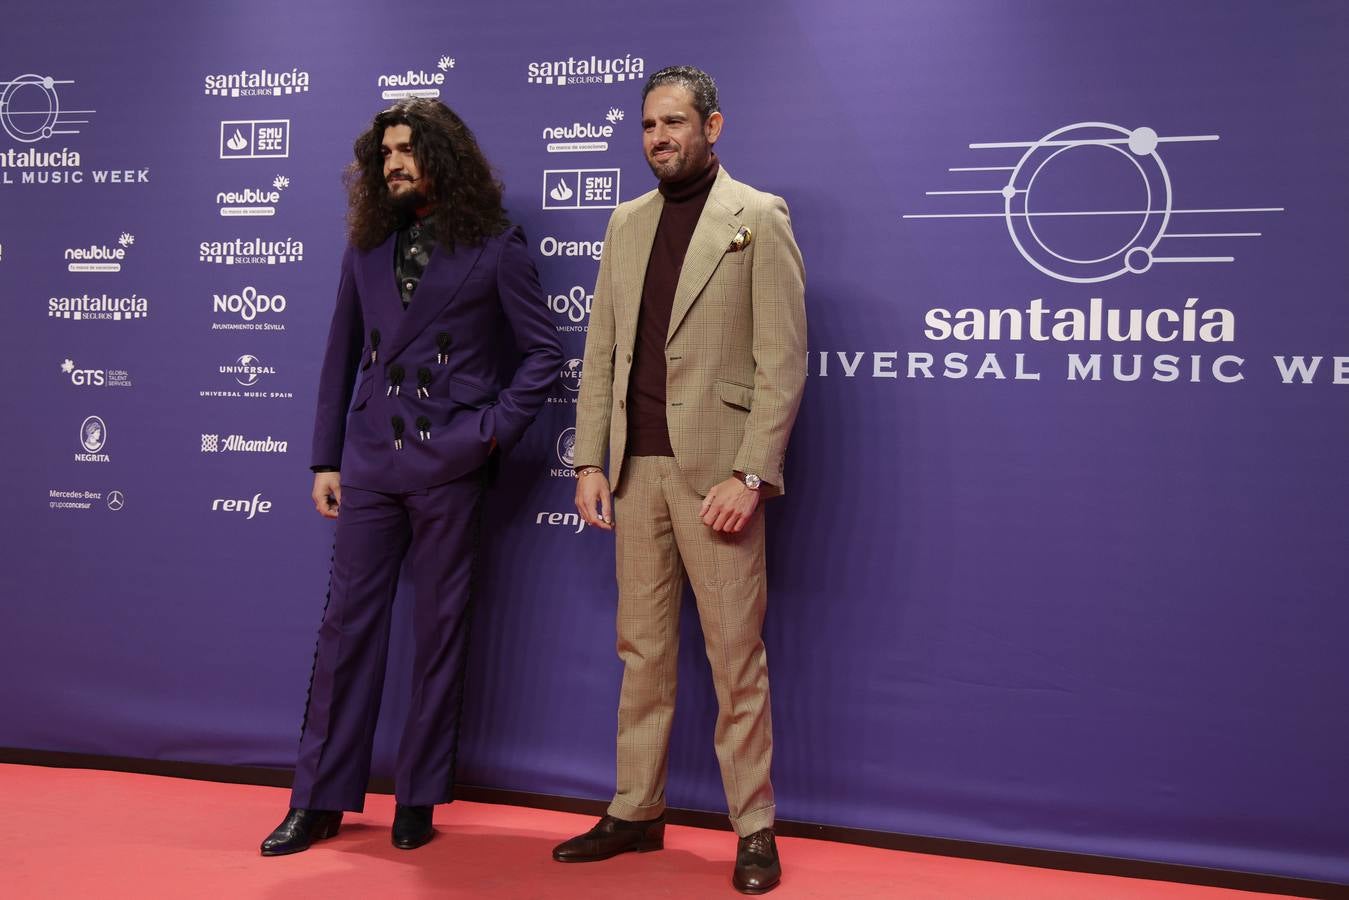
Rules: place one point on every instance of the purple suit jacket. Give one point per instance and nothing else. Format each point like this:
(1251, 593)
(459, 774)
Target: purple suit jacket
(478, 297)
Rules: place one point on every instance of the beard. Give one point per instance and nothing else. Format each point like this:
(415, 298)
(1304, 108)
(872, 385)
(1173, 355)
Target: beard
(405, 203)
(689, 161)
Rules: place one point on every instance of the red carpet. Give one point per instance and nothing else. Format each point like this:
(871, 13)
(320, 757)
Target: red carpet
(69, 833)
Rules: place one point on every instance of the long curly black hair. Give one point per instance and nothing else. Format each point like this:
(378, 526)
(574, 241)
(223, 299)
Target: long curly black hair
(466, 193)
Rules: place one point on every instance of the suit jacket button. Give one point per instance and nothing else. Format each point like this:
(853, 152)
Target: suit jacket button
(629, 357)
(620, 404)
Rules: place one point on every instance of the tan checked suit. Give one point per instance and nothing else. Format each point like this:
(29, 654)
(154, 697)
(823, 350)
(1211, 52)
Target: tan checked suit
(735, 370)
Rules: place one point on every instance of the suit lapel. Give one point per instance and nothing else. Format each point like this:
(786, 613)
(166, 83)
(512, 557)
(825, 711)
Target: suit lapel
(377, 267)
(633, 259)
(444, 275)
(716, 227)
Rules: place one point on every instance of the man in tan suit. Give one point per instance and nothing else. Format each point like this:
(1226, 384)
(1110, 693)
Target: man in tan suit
(694, 366)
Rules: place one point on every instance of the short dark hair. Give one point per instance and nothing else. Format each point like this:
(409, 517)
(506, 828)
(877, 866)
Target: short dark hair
(694, 80)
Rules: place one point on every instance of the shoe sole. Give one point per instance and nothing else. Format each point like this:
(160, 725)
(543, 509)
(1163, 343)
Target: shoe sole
(640, 847)
(320, 836)
(755, 891)
(413, 845)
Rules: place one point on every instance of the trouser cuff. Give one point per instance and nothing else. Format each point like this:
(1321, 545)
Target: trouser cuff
(629, 813)
(755, 821)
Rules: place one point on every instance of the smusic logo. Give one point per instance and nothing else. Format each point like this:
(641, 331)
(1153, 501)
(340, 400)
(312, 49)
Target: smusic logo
(256, 84)
(416, 83)
(580, 188)
(587, 70)
(93, 438)
(252, 201)
(255, 139)
(254, 252)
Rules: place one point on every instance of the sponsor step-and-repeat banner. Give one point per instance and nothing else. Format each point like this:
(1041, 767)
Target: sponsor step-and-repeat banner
(1062, 562)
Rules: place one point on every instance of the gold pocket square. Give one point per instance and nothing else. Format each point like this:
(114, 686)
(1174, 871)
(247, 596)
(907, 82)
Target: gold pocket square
(741, 240)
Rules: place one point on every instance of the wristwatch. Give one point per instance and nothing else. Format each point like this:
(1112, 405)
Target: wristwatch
(751, 481)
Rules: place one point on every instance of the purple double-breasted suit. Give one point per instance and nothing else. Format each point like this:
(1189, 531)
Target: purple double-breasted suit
(413, 494)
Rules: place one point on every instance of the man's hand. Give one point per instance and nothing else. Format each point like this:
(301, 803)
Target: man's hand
(729, 506)
(592, 491)
(327, 493)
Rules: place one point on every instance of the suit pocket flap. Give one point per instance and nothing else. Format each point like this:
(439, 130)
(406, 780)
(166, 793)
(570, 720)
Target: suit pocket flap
(363, 391)
(736, 394)
(469, 393)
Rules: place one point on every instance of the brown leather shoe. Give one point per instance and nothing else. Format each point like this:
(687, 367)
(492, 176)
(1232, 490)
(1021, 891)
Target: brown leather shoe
(757, 870)
(610, 837)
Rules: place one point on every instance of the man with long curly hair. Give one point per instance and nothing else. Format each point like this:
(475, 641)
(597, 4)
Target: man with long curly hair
(415, 397)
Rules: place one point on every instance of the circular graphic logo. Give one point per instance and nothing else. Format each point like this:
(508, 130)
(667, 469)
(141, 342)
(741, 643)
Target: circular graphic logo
(571, 375)
(29, 108)
(93, 434)
(566, 448)
(248, 374)
(1089, 202)
(116, 500)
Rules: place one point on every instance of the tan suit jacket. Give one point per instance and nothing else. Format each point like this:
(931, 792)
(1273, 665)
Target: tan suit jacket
(736, 349)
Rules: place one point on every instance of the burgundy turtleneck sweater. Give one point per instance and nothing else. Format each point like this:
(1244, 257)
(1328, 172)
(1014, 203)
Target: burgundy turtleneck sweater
(648, 433)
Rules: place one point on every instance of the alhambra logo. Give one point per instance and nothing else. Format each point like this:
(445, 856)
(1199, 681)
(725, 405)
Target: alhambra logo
(252, 201)
(262, 83)
(587, 70)
(583, 137)
(416, 82)
(1093, 201)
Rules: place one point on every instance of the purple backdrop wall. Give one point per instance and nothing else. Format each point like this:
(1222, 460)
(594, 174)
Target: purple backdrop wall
(1018, 597)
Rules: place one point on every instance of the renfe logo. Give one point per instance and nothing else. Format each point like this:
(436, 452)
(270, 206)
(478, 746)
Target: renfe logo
(252, 507)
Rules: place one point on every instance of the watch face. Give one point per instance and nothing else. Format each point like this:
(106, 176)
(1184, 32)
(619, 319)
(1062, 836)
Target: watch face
(752, 482)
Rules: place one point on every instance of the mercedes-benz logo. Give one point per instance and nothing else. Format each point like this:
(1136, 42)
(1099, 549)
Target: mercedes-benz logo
(116, 500)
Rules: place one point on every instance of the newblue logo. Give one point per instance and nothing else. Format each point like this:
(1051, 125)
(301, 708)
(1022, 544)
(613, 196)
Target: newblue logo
(252, 201)
(99, 257)
(416, 83)
(581, 137)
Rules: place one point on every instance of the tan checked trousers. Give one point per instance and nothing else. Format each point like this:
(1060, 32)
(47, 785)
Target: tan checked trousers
(660, 536)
